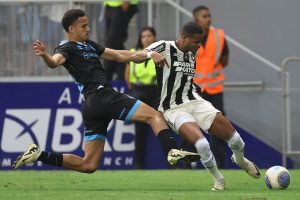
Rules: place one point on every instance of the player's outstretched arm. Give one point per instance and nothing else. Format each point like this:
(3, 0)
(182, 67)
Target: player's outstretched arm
(142, 56)
(51, 61)
(117, 55)
(137, 57)
(123, 56)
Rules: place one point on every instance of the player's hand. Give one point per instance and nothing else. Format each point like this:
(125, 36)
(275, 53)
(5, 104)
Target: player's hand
(159, 60)
(39, 48)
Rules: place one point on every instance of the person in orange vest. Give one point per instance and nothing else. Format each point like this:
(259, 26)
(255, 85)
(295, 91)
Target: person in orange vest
(212, 57)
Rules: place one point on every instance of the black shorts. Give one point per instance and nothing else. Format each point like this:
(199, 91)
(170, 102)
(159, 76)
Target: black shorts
(103, 105)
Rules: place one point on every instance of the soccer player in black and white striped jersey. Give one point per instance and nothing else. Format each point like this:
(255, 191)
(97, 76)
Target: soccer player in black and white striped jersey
(82, 58)
(184, 110)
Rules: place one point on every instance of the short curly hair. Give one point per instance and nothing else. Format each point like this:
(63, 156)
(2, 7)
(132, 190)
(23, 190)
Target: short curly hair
(70, 16)
(191, 28)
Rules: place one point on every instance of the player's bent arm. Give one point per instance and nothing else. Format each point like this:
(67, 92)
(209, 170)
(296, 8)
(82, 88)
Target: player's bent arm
(53, 61)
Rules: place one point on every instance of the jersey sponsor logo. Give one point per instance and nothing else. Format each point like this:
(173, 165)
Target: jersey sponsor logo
(85, 47)
(159, 48)
(24, 126)
(88, 55)
(185, 67)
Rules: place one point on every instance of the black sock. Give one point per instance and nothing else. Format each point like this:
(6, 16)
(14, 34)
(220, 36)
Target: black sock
(168, 142)
(50, 158)
(186, 146)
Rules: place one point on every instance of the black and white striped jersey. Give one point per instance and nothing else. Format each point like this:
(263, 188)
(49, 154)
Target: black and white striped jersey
(175, 83)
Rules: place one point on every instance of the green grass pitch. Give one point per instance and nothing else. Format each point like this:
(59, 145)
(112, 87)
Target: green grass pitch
(138, 185)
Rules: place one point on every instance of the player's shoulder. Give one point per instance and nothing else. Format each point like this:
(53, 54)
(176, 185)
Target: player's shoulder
(91, 42)
(95, 45)
(171, 43)
(64, 45)
(158, 46)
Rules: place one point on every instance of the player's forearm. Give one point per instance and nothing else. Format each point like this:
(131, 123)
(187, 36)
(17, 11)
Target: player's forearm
(49, 60)
(119, 56)
(139, 57)
(124, 55)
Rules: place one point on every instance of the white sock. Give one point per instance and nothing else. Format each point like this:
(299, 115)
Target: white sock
(207, 158)
(237, 144)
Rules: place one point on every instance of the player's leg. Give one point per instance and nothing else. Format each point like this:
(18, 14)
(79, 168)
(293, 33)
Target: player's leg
(93, 149)
(94, 139)
(156, 120)
(96, 124)
(187, 127)
(222, 128)
(147, 114)
(211, 120)
(217, 145)
(88, 164)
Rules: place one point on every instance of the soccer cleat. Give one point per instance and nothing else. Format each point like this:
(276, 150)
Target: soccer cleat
(175, 155)
(249, 167)
(30, 155)
(219, 184)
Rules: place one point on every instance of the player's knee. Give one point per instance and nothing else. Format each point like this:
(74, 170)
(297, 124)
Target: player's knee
(221, 127)
(90, 168)
(155, 117)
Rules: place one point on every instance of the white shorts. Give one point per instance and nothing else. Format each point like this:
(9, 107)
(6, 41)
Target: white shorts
(200, 111)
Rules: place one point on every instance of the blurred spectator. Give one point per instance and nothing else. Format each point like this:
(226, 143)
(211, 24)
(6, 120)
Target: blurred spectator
(212, 57)
(141, 81)
(53, 33)
(29, 22)
(117, 17)
(6, 52)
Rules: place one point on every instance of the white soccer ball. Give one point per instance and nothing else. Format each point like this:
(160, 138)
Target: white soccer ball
(277, 177)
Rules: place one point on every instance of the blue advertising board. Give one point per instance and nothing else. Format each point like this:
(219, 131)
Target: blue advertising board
(49, 114)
